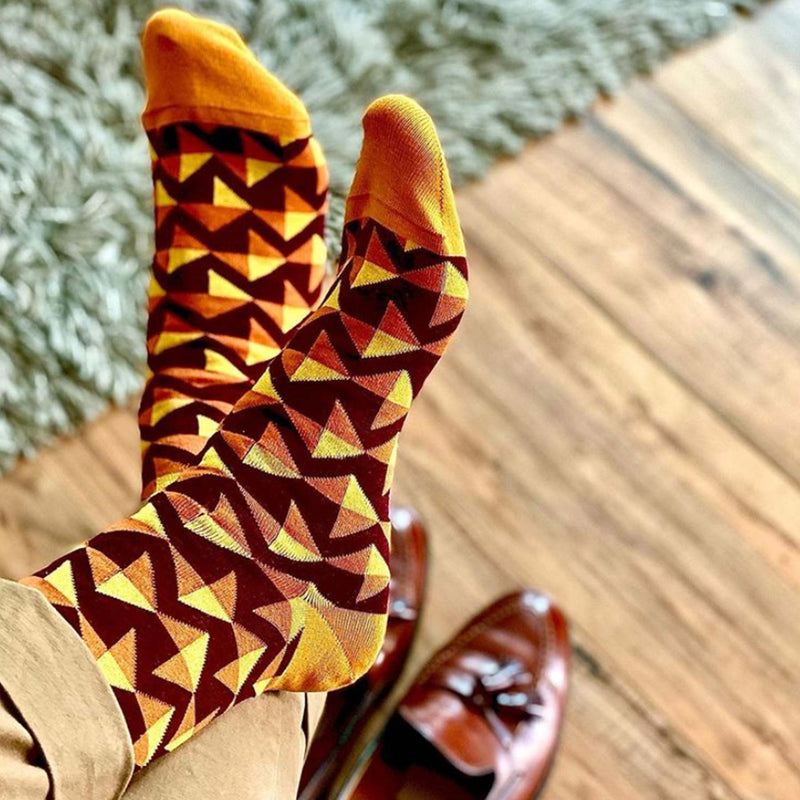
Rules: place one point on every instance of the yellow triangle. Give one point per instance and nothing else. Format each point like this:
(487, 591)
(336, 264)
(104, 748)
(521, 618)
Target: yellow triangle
(387, 483)
(203, 599)
(332, 300)
(291, 316)
(206, 426)
(383, 344)
(151, 738)
(113, 673)
(160, 409)
(319, 251)
(195, 656)
(402, 392)
(311, 370)
(222, 287)
(154, 288)
(332, 446)
(216, 362)
(455, 284)
(376, 564)
(206, 526)
(190, 163)
(259, 266)
(256, 352)
(63, 580)
(148, 514)
(260, 458)
(299, 609)
(296, 221)
(236, 673)
(355, 500)
(257, 169)
(287, 546)
(265, 387)
(212, 460)
(170, 339)
(163, 197)
(266, 676)
(121, 587)
(178, 256)
(225, 196)
(371, 273)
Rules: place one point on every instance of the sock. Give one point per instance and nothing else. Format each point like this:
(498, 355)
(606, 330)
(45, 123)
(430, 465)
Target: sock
(266, 566)
(240, 188)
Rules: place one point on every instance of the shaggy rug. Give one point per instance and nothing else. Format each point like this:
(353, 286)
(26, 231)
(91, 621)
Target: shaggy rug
(75, 225)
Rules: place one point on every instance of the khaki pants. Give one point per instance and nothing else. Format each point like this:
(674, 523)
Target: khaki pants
(62, 736)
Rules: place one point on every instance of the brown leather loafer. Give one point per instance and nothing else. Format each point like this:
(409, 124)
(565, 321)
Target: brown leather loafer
(482, 720)
(347, 710)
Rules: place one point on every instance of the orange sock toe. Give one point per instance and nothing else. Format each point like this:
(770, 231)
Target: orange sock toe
(394, 182)
(201, 71)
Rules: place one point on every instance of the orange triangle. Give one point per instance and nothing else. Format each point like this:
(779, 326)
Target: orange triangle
(341, 426)
(296, 527)
(447, 308)
(349, 522)
(294, 202)
(185, 241)
(333, 488)
(430, 278)
(287, 585)
(323, 352)
(380, 384)
(359, 332)
(396, 326)
(372, 585)
(309, 430)
(181, 633)
(388, 413)
(273, 441)
(279, 615)
(101, 565)
(438, 347)
(376, 252)
(225, 590)
(354, 562)
(213, 217)
(140, 574)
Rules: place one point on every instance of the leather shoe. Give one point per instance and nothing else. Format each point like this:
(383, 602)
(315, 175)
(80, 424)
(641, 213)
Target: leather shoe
(482, 720)
(347, 710)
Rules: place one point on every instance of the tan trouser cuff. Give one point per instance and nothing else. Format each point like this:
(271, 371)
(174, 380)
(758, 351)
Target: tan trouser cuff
(62, 698)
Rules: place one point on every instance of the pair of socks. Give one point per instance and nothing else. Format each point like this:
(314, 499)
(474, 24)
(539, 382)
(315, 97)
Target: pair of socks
(260, 557)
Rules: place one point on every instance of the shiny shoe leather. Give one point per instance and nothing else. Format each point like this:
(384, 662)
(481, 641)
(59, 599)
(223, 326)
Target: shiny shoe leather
(482, 721)
(347, 710)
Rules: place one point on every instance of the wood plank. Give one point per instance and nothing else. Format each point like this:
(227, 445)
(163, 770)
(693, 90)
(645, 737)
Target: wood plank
(707, 303)
(68, 493)
(745, 90)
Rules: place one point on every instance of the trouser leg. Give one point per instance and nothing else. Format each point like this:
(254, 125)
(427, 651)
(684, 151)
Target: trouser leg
(62, 735)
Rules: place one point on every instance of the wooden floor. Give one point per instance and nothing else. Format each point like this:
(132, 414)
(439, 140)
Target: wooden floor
(618, 423)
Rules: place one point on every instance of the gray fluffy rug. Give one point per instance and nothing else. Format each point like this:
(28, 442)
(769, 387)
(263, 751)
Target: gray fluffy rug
(75, 226)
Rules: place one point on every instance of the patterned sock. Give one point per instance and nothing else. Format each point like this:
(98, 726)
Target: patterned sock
(240, 187)
(266, 566)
